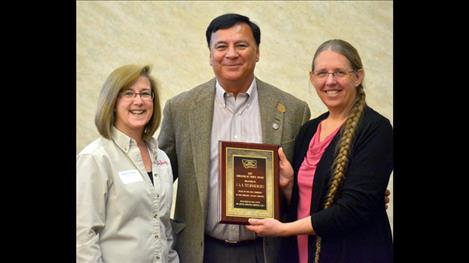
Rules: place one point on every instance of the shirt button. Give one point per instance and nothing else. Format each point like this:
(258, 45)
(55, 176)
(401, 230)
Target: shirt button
(155, 216)
(158, 257)
(156, 236)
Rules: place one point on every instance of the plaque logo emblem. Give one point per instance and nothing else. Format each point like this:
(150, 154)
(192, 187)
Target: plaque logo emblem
(249, 164)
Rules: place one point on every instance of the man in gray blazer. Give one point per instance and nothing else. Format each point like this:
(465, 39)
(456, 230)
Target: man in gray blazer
(233, 106)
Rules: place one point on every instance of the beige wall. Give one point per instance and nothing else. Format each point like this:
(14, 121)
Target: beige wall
(171, 37)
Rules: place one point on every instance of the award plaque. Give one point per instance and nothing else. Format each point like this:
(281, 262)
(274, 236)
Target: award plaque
(248, 180)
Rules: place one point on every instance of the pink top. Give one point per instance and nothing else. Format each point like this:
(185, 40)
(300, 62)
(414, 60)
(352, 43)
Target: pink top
(305, 183)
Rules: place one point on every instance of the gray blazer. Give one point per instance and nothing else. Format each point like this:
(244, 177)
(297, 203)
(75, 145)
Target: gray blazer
(185, 137)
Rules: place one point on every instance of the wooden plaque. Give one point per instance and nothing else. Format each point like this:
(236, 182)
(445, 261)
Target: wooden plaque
(248, 181)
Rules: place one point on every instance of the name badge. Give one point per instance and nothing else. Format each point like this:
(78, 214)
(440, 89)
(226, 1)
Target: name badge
(130, 176)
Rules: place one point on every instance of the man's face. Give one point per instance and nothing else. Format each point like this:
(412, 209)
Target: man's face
(233, 54)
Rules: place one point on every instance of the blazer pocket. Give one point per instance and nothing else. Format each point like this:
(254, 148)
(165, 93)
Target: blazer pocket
(177, 226)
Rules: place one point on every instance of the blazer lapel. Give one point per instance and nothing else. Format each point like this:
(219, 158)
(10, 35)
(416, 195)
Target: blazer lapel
(271, 110)
(200, 125)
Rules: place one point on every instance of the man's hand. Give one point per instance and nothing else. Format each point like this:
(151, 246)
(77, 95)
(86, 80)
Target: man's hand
(387, 194)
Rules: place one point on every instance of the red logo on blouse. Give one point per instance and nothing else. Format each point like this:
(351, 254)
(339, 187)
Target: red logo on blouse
(161, 162)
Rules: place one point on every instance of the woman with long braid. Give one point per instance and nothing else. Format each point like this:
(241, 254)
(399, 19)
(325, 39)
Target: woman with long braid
(341, 167)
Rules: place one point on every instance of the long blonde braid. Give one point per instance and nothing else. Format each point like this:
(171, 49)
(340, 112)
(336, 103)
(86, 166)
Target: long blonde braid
(342, 155)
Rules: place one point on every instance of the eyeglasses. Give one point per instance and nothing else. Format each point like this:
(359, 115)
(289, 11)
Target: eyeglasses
(129, 94)
(339, 74)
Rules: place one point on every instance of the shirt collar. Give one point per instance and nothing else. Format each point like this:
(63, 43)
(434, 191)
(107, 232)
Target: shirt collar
(126, 143)
(220, 91)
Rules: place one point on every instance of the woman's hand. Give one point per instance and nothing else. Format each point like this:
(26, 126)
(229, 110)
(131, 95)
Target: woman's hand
(286, 174)
(273, 227)
(266, 227)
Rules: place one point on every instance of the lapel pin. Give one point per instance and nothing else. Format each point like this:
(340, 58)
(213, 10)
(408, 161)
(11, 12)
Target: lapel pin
(281, 107)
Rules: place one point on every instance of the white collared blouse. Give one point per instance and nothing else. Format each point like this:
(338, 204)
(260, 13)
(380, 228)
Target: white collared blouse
(121, 215)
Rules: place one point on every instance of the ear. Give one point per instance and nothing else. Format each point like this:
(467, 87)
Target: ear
(311, 77)
(360, 74)
(210, 57)
(257, 54)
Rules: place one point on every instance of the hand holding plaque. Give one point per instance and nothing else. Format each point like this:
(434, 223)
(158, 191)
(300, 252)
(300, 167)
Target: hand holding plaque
(248, 180)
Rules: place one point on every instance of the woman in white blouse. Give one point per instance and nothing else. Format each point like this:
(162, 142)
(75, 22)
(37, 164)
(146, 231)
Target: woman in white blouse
(124, 182)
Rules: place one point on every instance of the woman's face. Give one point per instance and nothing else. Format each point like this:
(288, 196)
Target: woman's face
(134, 107)
(335, 81)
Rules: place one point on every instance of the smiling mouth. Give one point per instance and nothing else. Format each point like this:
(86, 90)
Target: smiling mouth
(332, 92)
(137, 112)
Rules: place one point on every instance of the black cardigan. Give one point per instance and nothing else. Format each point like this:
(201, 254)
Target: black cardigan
(356, 227)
